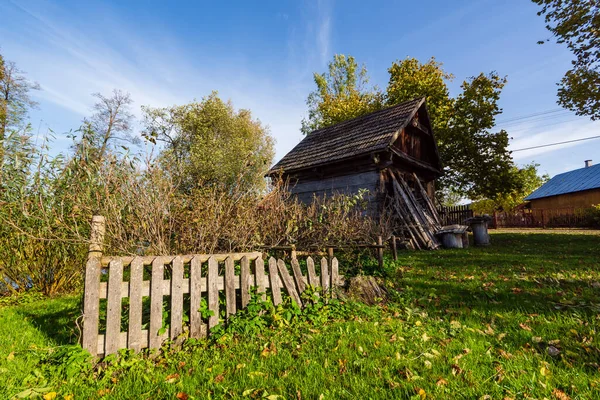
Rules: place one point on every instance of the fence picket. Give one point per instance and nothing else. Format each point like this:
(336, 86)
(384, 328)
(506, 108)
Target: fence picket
(134, 331)
(197, 326)
(230, 287)
(176, 297)
(91, 306)
(156, 302)
(335, 273)
(245, 280)
(313, 278)
(298, 276)
(261, 279)
(288, 282)
(213, 292)
(324, 274)
(113, 306)
(275, 288)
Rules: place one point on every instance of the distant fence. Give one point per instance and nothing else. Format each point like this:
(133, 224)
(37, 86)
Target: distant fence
(182, 282)
(455, 214)
(537, 218)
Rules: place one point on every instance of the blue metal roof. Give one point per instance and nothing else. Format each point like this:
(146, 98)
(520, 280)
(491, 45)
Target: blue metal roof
(569, 182)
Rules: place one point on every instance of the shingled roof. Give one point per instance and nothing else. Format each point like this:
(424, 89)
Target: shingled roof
(365, 134)
(569, 182)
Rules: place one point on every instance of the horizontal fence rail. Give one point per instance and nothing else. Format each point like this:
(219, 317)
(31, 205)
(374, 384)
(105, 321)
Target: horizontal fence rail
(126, 298)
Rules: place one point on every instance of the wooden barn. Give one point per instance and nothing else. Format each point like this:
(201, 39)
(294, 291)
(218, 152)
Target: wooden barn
(390, 152)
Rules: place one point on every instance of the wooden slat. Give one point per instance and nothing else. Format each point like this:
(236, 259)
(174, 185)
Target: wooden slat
(298, 276)
(324, 274)
(148, 260)
(113, 307)
(275, 288)
(156, 302)
(176, 297)
(197, 326)
(288, 282)
(213, 292)
(134, 332)
(91, 304)
(230, 287)
(335, 273)
(313, 278)
(245, 282)
(261, 279)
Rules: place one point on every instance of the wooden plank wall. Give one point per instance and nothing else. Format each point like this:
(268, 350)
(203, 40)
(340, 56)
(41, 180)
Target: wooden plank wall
(347, 184)
(175, 281)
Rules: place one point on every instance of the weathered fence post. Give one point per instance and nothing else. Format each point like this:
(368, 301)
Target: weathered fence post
(394, 247)
(91, 291)
(380, 251)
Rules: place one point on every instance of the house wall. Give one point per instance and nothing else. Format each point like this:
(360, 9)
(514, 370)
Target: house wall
(584, 199)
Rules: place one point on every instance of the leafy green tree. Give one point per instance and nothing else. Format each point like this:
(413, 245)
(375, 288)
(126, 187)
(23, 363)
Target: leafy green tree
(476, 160)
(15, 101)
(342, 94)
(211, 143)
(527, 179)
(576, 23)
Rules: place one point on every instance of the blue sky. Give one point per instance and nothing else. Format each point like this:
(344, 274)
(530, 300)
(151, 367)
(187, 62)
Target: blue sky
(261, 55)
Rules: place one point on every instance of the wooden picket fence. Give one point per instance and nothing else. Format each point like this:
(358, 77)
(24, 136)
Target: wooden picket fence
(177, 280)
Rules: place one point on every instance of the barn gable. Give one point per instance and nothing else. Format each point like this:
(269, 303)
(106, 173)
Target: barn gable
(404, 129)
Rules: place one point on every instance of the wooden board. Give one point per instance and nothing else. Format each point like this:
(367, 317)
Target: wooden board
(275, 288)
(298, 276)
(91, 304)
(176, 297)
(230, 287)
(313, 278)
(134, 331)
(197, 326)
(288, 282)
(261, 278)
(156, 302)
(245, 282)
(113, 306)
(213, 292)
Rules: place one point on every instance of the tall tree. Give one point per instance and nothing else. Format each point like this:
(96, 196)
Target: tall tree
(109, 125)
(210, 143)
(476, 160)
(576, 23)
(15, 101)
(342, 93)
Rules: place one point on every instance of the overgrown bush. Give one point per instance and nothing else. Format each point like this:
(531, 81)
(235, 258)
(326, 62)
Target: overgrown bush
(48, 202)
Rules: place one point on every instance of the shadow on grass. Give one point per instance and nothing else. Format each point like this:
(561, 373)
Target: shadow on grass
(55, 319)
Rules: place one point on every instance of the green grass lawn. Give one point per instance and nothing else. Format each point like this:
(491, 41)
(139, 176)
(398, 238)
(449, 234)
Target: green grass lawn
(517, 319)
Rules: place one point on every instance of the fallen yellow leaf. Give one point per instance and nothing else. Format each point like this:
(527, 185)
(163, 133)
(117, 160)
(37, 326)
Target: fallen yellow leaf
(50, 396)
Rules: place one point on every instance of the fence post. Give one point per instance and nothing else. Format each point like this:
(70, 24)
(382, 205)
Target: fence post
(330, 252)
(98, 229)
(91, 295)
(380, 251)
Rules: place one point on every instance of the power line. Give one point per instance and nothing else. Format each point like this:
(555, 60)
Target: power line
(544, 125)
(535, 119)
(557, 143)
(518, 118)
